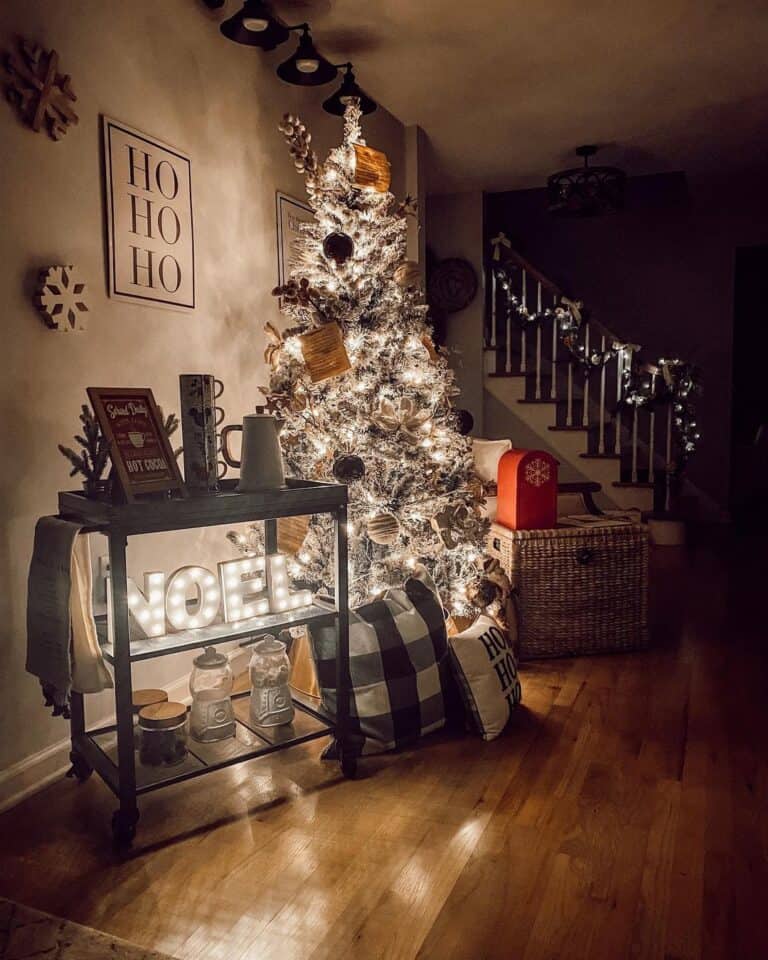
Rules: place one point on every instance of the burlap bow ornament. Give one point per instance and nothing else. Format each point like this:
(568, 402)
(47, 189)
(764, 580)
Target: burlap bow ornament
(274, 345)
(449, 523)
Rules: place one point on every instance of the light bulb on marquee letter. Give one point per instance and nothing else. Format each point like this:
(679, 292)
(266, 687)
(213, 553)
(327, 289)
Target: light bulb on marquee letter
(241, 583)
(148, 606)
(280, 597)
(208, 598)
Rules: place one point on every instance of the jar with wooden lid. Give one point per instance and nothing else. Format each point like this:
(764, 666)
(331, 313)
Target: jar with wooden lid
(163, 734)
(141, 699)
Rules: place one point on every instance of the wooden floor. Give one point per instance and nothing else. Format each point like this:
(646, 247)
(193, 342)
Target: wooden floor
(622, 815)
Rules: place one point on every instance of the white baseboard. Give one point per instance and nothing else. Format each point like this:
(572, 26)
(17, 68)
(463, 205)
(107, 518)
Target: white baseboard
(31, 774)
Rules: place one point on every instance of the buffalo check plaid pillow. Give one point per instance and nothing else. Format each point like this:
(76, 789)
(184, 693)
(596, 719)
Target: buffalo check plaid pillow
(399, 666)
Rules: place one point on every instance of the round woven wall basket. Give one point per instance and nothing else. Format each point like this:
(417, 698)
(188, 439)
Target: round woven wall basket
(452, 285)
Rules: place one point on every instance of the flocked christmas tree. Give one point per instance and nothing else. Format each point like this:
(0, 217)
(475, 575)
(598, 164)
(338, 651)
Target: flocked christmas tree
(364, 394)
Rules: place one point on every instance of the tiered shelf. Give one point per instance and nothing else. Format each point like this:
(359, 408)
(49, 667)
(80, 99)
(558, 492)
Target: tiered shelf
(248, 630)
(249, 742)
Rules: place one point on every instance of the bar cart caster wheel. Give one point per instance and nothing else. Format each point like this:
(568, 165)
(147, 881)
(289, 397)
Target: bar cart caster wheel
(348, 765)
(79, 769)
(124, 829)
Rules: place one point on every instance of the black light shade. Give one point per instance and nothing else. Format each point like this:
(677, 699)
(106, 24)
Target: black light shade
(586, 191)
(348, 89)
(255, 26)
(306, 68)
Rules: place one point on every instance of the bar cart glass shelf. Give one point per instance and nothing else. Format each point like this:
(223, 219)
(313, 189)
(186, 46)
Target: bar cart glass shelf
(109, 750)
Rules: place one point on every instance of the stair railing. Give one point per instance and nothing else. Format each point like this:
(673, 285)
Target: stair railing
(535, 330)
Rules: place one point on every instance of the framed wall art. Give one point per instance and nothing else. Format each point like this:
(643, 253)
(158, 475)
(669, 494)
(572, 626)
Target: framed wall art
(150, 230)
(291, 213)
(138, 444)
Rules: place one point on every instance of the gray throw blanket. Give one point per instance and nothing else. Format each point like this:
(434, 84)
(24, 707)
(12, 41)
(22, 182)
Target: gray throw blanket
(62, 649)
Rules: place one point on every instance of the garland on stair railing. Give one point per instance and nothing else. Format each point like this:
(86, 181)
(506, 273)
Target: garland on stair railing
(667, 381)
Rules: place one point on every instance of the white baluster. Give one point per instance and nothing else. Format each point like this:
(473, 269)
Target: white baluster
(538, 361)
(538, 340)
(619, 378)
(524, 303)
(585, 395)
(508, 364)
(493, 307)
(569, 407)
(668, 459)
(651, 442)
(553, 384)
(601, 435)
(634, 444)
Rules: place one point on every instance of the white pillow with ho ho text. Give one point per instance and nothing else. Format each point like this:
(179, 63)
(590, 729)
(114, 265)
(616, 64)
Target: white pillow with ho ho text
(484, 664)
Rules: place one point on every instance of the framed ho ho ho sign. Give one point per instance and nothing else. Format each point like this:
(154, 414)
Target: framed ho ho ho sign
(138, 445)
(150, 231)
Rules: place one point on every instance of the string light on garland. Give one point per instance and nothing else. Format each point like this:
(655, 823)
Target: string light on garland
(667, 381)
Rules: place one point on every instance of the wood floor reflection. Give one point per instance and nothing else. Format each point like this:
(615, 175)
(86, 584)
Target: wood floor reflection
(623, 814)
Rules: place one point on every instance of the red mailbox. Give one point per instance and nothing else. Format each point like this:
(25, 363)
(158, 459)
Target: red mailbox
(527, 490)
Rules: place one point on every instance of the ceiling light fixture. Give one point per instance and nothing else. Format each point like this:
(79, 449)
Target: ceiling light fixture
(255, 26)
(586, 191)
(307, 67)
(337, 104)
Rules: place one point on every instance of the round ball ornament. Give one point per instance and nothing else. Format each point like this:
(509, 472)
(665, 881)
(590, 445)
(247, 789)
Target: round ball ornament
(464, 422)
(348, 468)
(452, 285)
(338, 247)
(384, 528)
(408, 275)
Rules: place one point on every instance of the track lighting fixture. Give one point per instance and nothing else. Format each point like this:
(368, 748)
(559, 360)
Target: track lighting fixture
(255, 26)
(307, 67)
(337, 103)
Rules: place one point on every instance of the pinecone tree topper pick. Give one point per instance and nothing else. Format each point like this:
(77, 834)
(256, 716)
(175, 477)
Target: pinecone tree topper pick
(299, 141)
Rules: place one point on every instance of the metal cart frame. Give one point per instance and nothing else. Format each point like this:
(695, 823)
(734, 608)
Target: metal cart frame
(90, 748)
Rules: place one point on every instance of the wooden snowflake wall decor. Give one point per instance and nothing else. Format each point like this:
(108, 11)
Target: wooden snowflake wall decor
(60, 297)
(38, 91)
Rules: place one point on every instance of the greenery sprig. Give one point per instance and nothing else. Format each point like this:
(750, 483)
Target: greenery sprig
(92, 459)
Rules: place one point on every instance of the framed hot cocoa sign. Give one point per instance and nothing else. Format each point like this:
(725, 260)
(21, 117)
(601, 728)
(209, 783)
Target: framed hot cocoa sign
(138, 445)
(150, 231)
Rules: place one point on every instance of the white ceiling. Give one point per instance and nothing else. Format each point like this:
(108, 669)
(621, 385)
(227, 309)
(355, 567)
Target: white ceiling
(505, 90)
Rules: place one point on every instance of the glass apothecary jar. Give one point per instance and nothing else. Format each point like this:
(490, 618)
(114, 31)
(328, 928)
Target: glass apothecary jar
(270, 669)
(163, 734)
(211, 681)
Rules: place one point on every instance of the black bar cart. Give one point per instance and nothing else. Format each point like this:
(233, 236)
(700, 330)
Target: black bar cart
(110, 750)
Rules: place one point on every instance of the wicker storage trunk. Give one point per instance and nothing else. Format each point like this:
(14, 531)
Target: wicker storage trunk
(579, 591)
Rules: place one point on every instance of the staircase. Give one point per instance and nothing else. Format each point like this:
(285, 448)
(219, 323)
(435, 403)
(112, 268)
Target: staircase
(539, 395)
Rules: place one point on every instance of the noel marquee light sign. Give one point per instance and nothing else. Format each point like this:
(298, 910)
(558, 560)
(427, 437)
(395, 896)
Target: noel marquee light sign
(193, 596)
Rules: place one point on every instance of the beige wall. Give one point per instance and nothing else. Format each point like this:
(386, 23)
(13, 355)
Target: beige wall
(165, 69)
(454, 228)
